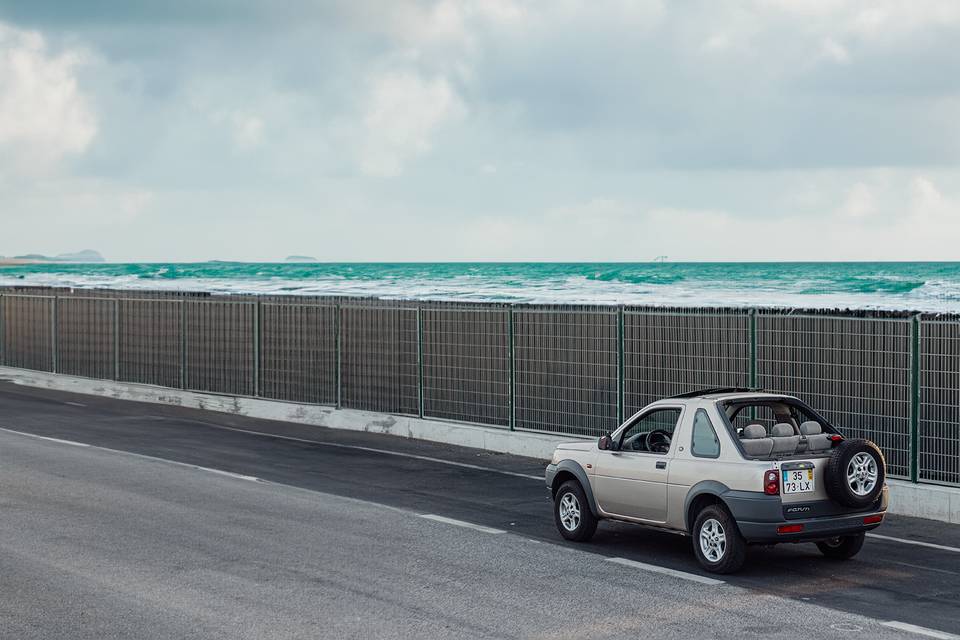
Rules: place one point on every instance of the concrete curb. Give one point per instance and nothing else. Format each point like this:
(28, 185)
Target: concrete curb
(919, 500)
(520, 443)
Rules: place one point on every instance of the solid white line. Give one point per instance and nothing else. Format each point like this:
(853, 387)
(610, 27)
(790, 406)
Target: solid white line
(75, 404)
(460, 523)
(58, 440)
(930, 545)
(664, 570)
(197, 467)
(923, 631)
(464, 465)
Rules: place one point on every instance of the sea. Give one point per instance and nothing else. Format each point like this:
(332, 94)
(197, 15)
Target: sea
(919, 286)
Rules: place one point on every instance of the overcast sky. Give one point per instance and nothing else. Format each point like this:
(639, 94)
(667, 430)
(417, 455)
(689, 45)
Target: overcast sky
(481, 130)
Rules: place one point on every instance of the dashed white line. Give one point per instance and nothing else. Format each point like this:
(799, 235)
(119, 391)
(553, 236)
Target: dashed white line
(693, 577)
(75, 404)
(923, 631)
(460, 523)
(929, 545)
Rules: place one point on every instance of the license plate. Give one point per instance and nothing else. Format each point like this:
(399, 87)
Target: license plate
(798, 481)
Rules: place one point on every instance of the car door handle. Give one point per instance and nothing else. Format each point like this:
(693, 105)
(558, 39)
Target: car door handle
(661, 464)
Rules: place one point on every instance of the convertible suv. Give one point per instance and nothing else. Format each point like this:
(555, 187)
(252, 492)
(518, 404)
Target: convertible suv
(729, 467)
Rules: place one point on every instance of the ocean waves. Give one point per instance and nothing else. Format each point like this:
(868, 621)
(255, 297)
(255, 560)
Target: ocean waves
(901, 286)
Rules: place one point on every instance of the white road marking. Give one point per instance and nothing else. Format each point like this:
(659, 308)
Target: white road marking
(460, 523)
(693, 577)
(930, 545)
(75, 404)
(49, 439)
(464, 465)
(923, 631)
(221, 472)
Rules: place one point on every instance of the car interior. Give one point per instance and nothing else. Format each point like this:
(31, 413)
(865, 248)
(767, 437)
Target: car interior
(777, 428)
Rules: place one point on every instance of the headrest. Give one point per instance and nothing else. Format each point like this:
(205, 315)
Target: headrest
(781, 430)
(810, 428)
(753, 431)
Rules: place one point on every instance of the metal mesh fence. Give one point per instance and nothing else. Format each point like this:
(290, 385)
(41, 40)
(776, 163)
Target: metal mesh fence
(855, 371)
(219, 343)
(298, 360)
(85, 337)
(378, 359)
(566, 371)
(150, 340)
(666, 353)
(466, 364)
(939, 428)
(28, 331)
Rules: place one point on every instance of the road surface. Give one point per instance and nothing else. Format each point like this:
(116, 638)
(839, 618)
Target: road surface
(182, 523)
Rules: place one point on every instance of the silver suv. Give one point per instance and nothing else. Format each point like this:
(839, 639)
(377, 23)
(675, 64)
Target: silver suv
(730, 467)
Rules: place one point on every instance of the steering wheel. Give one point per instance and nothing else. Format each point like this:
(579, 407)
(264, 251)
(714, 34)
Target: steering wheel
(658, 441)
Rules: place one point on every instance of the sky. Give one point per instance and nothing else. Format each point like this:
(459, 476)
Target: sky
(498, 130)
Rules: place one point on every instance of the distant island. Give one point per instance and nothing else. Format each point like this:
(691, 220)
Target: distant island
(87, 255)
(301, 259)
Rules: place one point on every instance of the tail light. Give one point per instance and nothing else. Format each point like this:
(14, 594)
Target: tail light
(790, 528)
(873, 519)
(835, 439)
(771, 483)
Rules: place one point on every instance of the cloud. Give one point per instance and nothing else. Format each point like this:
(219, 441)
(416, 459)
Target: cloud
(859, 202)
(403, 112)
(44, 116)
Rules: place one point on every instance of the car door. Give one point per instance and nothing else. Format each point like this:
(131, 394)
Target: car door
(630, 480)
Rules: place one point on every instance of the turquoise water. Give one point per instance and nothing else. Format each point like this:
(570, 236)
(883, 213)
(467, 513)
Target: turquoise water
(926, 286)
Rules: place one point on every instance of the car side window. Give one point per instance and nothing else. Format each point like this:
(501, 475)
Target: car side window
(651, 432)
(705, 443)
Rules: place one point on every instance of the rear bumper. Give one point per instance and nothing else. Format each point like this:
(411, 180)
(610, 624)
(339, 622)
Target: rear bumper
(764, 530)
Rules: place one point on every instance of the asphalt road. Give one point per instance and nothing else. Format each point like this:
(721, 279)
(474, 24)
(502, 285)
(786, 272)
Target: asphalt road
(330, 542)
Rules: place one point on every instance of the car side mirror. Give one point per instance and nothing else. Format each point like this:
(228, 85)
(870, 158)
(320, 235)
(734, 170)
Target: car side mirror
(605, 443)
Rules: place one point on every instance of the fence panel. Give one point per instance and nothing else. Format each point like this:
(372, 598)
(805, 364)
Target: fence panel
(220, 347)
(298, 359)
(854, 370)
(466, 364)
(86, 337)
(378, 359)
(566, 371)
(151, 341)
(939, 425)
(28, 331)
(666, 353)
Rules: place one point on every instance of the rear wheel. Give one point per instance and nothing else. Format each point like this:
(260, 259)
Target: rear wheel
(842, 547)
(571, 511)
(717, 542)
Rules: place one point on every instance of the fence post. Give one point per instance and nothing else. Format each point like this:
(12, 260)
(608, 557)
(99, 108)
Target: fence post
(338, 322)
(3, 333)
(183, 343)
(116, 338)
(54, 339)
(513, 377)
(620, 368)
(420, 360)
(256, 347)
(753, 349)
(915, 399)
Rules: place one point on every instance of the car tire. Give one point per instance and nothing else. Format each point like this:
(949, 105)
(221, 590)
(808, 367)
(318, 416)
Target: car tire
(717, 542)
(842, 547)
(853, 466)
(571, 512)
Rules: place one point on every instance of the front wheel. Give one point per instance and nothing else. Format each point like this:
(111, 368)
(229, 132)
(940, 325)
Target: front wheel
(717, 542)
(571, 511)
(842, 547)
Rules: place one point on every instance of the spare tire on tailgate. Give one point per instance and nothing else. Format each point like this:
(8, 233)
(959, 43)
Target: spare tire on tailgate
(855, 473)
